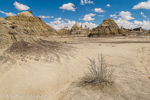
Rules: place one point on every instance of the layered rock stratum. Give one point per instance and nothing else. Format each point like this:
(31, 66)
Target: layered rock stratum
(106, 28)
(31, 24)
(11, 33)
(64, 30)
(78, 30)
(18, 43)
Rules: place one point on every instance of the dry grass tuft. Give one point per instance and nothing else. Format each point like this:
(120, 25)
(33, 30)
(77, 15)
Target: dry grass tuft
(99, 74)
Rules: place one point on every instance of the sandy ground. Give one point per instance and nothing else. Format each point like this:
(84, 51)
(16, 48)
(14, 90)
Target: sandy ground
(43, 79)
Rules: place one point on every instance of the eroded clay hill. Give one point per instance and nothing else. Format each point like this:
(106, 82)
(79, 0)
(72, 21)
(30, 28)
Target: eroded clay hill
(79, 30)
(17, 43)
(10, 33)
(31, 24)
(64, 30)
(106, 28)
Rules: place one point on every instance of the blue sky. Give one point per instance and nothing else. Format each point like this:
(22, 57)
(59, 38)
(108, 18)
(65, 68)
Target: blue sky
(60, 13)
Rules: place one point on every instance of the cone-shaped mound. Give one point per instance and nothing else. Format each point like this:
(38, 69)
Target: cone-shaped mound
(107, 28)
(34, 25)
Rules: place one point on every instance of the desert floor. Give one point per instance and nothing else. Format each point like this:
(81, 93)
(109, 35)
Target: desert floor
(56, 75)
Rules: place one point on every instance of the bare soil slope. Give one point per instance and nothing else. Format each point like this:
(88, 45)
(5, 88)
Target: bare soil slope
(35, 77)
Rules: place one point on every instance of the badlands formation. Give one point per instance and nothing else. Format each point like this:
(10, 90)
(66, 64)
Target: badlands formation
(107, 28)
(31, 24)
(39, 63)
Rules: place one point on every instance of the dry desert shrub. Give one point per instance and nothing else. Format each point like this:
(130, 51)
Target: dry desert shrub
(99, 74)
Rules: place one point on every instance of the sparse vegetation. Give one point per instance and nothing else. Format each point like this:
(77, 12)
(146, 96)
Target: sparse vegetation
(65, 41)
(100, 74)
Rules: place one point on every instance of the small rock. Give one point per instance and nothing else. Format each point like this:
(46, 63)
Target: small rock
(29, 45)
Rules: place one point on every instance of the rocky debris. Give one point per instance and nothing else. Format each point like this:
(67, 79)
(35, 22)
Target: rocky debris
(64, 30)
(31, 24)
(10, 33)
(79, 30)
(107, 28)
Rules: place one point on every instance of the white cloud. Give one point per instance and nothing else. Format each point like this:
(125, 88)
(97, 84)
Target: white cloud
(108, 5)
(101, 15)
(21, 6)
(125, 15)
(124, 21)
(142, 5)
(135, 24)
(99, 10)
(90, 2)
(117, 12)
(57, 19)
(82, 2)
(126, 24)
(69, 6)
(143, 14)
(144, 24)
(44, 16)
(8, 14)
(86, 2)
(60, 23)
(88, 17)
(89, 24)
(114, 15)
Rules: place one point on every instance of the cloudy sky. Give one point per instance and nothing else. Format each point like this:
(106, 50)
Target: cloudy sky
(60, 13)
